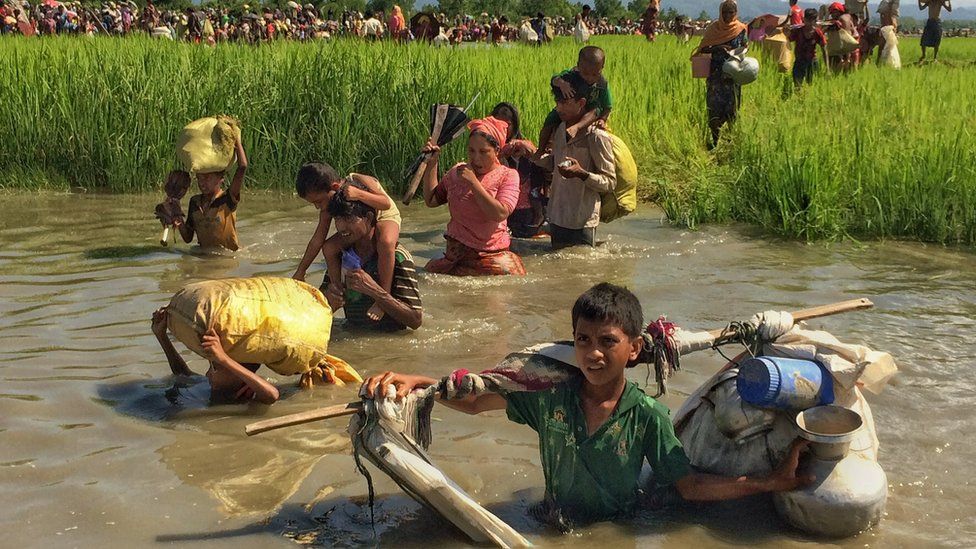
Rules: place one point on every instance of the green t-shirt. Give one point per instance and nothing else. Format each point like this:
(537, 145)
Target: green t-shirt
(597, 94)
(596, 478)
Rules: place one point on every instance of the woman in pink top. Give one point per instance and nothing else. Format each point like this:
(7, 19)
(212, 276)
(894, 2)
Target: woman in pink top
(396, 24)
(480, 195)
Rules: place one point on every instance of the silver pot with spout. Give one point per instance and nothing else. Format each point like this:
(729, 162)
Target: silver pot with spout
(849, 491)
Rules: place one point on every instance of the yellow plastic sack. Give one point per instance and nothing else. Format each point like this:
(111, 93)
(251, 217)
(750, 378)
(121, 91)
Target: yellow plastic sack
(207, 145)
(777, 47)
(623, 199)
(841, 42)
(279, 322)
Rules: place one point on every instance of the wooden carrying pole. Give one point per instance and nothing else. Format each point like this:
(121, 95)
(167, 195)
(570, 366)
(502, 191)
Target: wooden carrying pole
(807, 314)
(303, 417)
(353, 407)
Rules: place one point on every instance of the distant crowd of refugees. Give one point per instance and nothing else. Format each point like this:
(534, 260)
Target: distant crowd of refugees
(294, 21)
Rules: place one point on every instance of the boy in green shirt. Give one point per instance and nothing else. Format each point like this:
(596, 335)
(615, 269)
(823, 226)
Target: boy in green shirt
(595, 432)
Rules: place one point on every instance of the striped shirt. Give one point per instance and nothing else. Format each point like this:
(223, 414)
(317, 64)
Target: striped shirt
(404, 289)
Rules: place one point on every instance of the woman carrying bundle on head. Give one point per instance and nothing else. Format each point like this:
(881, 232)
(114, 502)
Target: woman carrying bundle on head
(480, 194)
(723, 95)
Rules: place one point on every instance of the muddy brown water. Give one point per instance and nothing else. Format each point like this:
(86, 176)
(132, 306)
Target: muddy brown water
(98, 448)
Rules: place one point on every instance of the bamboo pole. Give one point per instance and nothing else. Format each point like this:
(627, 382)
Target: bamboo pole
(303, 417)
(353, 407)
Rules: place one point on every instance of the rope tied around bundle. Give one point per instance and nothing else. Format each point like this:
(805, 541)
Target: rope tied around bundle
(754, 334)
(661, 350)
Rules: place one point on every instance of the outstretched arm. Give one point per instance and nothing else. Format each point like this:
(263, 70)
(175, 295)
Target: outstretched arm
(375, 197)
(238, 181)
(314, 244)
(406, 383)
(176, 362)
(704, 487)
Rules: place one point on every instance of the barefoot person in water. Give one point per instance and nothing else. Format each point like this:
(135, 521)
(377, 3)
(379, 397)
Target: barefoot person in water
(212, 214)
(317, 183)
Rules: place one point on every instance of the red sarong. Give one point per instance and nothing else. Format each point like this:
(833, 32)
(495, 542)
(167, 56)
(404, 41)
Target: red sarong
(460, 260)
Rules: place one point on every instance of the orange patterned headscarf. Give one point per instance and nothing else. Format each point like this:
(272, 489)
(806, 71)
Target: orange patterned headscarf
(492, 127)
(720, 32)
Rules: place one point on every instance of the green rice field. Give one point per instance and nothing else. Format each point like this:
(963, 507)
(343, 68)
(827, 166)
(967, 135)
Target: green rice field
(876, 154)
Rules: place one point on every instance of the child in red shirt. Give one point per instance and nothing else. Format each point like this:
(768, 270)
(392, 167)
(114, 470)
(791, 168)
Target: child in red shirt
(807, 38)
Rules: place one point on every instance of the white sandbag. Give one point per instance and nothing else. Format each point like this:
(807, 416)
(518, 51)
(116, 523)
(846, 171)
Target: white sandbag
(889, 53)
(379, 434)
(527, 33)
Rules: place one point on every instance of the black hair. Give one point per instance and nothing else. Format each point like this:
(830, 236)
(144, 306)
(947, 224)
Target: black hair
(592, 55)
(315, 177)
(575, 84)
(490, 139)
(607, 302)
(340, 206)
(513, 113)
(810, 12)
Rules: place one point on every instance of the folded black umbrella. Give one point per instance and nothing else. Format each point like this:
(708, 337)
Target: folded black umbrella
(447, 123)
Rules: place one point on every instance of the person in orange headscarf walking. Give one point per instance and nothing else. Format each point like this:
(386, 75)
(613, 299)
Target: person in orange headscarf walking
(722, 95)
(397, 24)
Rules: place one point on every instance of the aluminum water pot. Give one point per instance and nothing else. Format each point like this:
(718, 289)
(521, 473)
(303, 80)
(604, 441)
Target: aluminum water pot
(849, 491)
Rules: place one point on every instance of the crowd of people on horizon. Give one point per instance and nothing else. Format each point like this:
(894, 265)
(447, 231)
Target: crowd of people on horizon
(210, 24)
(213, 24)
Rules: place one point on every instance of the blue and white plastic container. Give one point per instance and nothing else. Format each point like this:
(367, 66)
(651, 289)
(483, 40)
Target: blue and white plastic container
(784, 383)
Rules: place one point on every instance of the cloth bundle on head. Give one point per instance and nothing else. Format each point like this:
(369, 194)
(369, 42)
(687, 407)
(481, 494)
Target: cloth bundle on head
(492, 127)
(720, 32)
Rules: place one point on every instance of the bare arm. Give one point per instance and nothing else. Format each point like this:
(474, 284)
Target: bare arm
(376, 198)
(264, 392)
(186, 230)
(493, 209)
(176, 363)
(314, 244)
(361, 282)
(588, 118)
(238, 182)
(704, 487)
(406, 383)
(430, 176)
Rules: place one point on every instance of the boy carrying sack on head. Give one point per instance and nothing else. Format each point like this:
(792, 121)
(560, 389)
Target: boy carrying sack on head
(585, 79)
(596, 430)
(208, 147)
(317, 182)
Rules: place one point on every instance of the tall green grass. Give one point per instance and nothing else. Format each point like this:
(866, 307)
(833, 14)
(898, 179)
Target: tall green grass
(878, 153)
